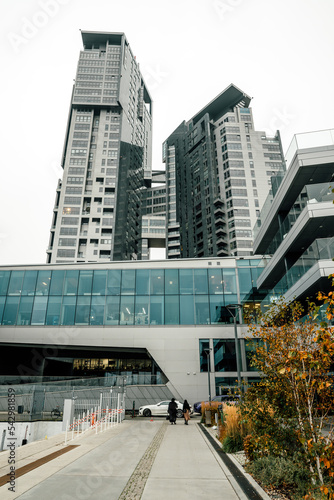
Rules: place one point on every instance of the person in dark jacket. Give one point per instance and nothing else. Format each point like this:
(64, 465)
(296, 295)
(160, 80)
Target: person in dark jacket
(186, 412)
(172, 410)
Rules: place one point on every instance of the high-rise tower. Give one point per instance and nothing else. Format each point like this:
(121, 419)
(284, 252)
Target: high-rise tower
(218, 175)
(106, 157)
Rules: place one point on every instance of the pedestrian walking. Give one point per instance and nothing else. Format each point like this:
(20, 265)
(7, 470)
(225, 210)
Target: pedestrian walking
(186, 412)
(172, 410)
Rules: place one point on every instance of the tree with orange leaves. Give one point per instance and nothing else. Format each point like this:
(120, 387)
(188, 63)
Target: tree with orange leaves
(289, 407)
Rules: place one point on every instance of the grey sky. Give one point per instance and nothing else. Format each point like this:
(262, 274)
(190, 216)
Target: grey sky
(280, 53)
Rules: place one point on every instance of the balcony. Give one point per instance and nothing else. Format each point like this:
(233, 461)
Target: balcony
(220, 231)
(221, 242)
(173, 243)
(174, 251)
(219, 212)
(218, 202)
(220, 221)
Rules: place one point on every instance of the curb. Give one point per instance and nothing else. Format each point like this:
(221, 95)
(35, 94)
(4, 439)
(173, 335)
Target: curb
(246, 477)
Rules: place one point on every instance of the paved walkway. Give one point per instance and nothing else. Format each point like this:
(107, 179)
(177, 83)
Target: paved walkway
(139, 459)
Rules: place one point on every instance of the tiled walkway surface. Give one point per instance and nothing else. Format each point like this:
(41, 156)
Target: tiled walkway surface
(139, 459)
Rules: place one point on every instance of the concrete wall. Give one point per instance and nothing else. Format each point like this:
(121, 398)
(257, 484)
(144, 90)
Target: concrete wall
(174, 348)
(32, 431)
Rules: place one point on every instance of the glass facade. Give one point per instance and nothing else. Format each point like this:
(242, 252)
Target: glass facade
(124, 297)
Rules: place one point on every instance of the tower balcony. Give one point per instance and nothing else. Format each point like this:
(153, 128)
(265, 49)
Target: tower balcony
(219, 212)
(220, 221)
(173, 243)
(220, 231)
(174, 251)
(221, 242)
(218, 202)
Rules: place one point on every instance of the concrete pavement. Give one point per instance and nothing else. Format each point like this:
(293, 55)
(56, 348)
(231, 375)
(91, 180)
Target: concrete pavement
(138, 459)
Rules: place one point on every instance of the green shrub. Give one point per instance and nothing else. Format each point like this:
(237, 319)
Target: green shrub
(232, 444)
(280, 472)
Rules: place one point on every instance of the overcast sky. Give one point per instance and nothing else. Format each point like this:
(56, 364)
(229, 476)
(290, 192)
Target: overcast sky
(278, 52)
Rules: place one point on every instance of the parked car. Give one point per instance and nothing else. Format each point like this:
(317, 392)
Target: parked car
(161, 409)
(223, 398)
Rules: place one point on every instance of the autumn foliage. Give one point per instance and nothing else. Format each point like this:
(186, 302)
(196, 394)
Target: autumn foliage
(291, 404)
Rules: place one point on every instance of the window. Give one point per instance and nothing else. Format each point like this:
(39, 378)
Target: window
(39, 311)
(85, 283)
(203, 358)
(187, 309)
(172, 310)
(225, 355)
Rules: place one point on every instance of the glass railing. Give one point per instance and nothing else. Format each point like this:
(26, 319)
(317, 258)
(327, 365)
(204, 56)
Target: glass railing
(309, 140)
(320, 249)
(313, 193)
(299, 141)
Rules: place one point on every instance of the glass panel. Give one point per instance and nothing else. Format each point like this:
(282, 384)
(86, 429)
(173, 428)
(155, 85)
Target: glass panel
(224, 355)
(201, 280)
(97, 309)
(99, 283)
(85, 283)
(245, 283)
(142, 281)
(255, 273)
(171, 281)
(128, 282)
(229, 282)
(172, 310)
(231, 299)
(53, 310)
(15, 283)
(256, 263)
(4, 280)
(243, 263)
(127, 311)
(186, 281)
(10, 312)
(157, 282)
(71, 284)
(2, 306)
(24, 315)
(82, 311)
(203, 358)
(225, 384)
(57, 280)
(157, 311)
(68, 309)
(39, 310)
(216, 309)
(29, 283)
(202, 310)
(250, 347)
(141, 310)
(215, 281)
(112, 311)
(43, 282)
(187, 310)
(114, 282)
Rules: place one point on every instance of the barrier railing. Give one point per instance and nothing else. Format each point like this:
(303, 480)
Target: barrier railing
(99, 419)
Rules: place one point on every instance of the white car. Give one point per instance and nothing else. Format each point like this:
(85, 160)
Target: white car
(161, 409)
